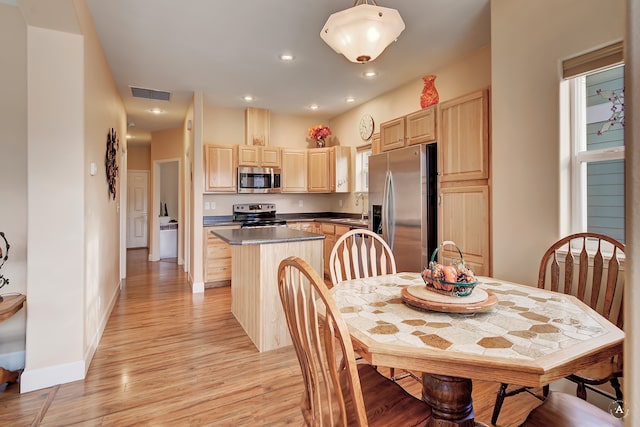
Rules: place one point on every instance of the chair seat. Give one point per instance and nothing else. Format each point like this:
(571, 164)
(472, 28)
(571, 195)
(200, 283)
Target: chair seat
(565, 410)
(597, 374)
(387, 403)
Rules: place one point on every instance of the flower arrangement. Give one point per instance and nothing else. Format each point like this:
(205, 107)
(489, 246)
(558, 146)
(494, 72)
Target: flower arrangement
(319, 133)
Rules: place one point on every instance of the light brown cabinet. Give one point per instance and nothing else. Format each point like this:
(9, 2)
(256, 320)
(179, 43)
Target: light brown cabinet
(415, 128)
(332, 233)
(465, 191)
(465, 213)
(257, 126)
(464, 137)
(217, 258)
(328, 170)
(220, 164)
(253, 155)
(294, 170)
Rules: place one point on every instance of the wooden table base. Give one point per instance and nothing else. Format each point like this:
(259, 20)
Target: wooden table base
(450, 400)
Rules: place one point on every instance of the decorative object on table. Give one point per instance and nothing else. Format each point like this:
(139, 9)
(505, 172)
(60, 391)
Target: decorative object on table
(111, 162)
(366, 127)
(419, 297)
(348, 31)
(319, 134)
(4, 256)
(429, 95)
(454, 279)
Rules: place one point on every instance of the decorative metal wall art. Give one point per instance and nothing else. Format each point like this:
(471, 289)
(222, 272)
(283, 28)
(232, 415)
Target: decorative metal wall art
(111, 162)
(4, 255)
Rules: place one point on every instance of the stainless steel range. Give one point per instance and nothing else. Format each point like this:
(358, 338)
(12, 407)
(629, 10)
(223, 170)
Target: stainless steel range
(257, 215)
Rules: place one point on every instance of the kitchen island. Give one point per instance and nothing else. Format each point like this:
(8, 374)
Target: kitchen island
(256, 254)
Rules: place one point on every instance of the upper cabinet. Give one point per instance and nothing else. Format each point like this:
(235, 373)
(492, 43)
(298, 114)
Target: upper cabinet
(254, 155)
(294, 170)
(220, 164)
(464, 137)
(415, 128)
(257, 126)
(328, 170)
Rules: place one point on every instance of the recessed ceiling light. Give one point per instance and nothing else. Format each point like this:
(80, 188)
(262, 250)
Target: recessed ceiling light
(248, 98)
(350, 99)
(369, 74)
(157, 110)
(286, 57)
(313, 106)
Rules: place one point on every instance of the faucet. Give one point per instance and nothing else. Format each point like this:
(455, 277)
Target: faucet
(360, 197)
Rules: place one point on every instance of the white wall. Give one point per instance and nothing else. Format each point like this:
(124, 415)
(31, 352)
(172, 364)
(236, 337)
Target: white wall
(13, 184)
(169, 187)
(529, 41)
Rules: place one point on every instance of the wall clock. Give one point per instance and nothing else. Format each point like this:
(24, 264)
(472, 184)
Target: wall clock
(366, 127)
(111, 162)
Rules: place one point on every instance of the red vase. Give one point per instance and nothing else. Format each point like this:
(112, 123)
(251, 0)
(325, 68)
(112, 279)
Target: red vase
(429, 95)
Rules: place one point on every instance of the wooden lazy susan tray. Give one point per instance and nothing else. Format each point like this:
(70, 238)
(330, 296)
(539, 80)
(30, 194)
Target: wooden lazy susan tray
(418, 296)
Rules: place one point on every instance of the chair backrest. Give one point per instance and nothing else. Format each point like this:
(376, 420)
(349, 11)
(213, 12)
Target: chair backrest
(360, 253)
(581, 259)
(333, 394)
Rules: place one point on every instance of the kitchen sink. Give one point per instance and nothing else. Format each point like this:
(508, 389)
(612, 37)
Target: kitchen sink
(350, 220)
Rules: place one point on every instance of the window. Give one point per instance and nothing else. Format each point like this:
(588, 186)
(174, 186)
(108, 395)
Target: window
(362, 168)
(597, 155)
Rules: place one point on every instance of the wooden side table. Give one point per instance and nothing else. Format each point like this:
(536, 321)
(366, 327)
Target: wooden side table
(10, 305)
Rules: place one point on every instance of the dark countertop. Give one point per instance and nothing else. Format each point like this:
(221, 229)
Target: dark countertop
(340, 218)
(264, 235)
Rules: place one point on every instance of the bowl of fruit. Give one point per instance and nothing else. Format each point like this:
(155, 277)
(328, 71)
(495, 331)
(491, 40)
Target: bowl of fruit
(454, 279)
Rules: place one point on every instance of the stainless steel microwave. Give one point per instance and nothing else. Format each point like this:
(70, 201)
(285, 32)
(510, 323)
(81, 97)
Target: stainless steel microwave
(258, 180)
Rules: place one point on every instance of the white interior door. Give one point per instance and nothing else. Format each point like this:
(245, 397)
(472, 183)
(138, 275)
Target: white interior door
(137, 209)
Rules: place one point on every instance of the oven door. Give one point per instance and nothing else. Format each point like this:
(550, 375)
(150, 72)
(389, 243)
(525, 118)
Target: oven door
(255, 180)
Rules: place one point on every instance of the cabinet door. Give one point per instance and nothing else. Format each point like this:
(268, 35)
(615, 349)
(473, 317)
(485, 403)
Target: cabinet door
(257, 126)
(220, 166)
(271, 157)
(392, 134)
(375, 143)
(294, 170)
(464, 137)
(328, 229)
(319, 169)
(464, 213)
(248, 155)
(340, 161)
(421, 126)
(217, 257)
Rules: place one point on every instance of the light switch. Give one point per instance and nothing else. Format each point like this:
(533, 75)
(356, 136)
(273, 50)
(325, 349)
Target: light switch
(92, 168)
(206, 206)
(213, 205)
(300, 203)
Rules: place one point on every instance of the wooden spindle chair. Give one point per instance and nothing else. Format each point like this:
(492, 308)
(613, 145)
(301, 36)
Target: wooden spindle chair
(338, 391)
(602, 292)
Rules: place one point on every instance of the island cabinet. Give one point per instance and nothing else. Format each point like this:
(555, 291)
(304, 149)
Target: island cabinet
(328, 170)
(464, 179)
(415, 128)
(220, 164)
(256, 156)
(294, 170)
(217, 258)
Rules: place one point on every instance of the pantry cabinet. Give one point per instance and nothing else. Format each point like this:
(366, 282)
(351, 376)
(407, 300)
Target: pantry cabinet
(220, 164)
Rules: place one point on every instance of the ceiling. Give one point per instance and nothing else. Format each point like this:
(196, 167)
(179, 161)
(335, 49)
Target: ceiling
(227, 49)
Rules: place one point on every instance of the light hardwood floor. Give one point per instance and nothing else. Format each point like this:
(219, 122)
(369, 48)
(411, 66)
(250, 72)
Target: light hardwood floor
(172, 358)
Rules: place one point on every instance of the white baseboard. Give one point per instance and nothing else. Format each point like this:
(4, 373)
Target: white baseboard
(37, 379)
(197, 287)
(153, 257)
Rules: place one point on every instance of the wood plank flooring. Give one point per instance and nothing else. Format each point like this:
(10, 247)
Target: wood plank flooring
(172, 358)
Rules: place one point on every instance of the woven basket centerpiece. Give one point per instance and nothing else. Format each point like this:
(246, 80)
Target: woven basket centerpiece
(454, 279)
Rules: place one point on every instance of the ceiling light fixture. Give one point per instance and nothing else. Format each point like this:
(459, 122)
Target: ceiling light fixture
(369, 74)
(313, 107)
(248, 98)
(350, 99)
(286, 57)
(156, 110)
(362, 32)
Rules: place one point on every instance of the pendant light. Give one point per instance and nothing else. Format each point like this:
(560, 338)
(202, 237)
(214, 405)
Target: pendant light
(363, 31)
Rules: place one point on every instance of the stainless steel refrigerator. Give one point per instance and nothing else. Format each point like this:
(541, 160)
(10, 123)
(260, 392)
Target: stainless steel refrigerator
(403, 203)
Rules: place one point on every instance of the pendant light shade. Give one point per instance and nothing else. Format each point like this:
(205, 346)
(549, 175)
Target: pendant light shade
(362, 32)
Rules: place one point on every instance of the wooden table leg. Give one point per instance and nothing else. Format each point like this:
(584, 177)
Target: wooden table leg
(450, 400)
(8, 376)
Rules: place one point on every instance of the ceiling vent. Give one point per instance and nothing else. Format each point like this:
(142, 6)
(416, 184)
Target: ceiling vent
(158, 95)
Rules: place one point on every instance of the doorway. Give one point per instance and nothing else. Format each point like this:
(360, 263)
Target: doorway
(137, 209)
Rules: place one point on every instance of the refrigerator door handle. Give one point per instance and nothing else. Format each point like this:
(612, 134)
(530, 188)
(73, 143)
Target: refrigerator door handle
(388, 210)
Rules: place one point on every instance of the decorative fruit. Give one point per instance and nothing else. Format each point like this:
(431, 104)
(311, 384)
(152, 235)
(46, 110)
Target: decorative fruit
(450, 273)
